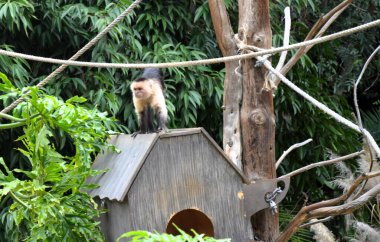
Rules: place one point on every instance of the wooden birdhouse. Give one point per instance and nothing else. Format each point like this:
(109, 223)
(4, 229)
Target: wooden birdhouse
(181, 177)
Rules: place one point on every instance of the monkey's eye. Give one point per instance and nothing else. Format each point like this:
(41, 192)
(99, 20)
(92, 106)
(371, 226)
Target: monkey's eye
(138, 89)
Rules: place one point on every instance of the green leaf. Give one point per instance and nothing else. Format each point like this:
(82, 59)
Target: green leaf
(6, 86)
(76, 99)
(2, 163)
(30, 174)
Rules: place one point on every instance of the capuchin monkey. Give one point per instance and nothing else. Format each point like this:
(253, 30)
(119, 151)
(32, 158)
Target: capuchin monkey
(149, 100)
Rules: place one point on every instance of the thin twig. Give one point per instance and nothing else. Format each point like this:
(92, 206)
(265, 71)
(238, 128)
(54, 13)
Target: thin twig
(12, 125)
(19, 200)
(328, 24)
(345, 195)
(11, 118)
(372, 84)
(288, 21)
(316, 222)
(295, 146)
(357, 83)
(270, 84)
(368, 153)
(322, 163)
(358, 116)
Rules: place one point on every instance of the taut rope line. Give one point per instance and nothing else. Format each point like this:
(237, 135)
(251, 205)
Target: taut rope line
(319, 40)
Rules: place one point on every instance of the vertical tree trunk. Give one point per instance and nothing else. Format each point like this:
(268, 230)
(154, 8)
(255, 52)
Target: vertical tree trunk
(232, 84)
(257, 112)
(248, 109)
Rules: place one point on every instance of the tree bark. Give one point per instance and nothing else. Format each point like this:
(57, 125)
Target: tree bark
(257, 111)
(232, 83)
(248, 109)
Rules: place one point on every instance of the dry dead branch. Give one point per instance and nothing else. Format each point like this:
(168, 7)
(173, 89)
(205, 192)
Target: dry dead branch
(323, 107)
(322, 25)
(286, 152)
(322, 163)
(330, 207)
(282, 59)
(357, 83)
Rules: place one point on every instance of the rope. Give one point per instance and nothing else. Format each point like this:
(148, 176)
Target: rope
(322, 107)
(71, 61)
(262, 52)
(78, 54)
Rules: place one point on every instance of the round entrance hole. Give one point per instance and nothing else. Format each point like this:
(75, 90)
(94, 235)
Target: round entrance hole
(189, 219)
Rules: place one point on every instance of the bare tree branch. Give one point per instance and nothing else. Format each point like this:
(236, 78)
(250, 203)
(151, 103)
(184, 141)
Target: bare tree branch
(322, 107)
(222, 26)
(288, 21)
(326, 208)
(295, 146)
(357, 83)
(315, 222)
(322, 163)
(347, 207)
(358, 116)
(270, 84)
(323, 23)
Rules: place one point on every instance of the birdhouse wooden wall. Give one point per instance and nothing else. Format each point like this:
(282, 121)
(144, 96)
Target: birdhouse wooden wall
(181, 177)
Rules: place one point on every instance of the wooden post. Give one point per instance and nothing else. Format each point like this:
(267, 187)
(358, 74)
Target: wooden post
(248, 108)
(257, 111)
(232, 84)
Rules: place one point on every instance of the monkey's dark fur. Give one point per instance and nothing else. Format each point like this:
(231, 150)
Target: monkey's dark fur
(149, 100)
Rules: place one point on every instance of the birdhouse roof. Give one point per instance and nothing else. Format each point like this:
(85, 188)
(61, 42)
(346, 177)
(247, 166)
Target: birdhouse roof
(122, 168)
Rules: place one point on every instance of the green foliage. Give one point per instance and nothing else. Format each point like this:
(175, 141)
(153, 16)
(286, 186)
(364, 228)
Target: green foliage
(327, 72)
(145, 236)
(371, 120)
(158, 32)
(72, 132)
(161, 31)
(18, 68)
(16, 14)
(286, 215)
(46, 199)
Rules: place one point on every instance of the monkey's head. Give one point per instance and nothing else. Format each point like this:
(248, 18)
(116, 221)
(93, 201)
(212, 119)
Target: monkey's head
(141, 88)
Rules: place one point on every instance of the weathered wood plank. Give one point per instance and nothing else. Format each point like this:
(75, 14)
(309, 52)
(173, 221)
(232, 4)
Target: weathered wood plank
(122, 167)
(182, 172)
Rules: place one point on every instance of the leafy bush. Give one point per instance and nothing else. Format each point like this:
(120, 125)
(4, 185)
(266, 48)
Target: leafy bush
(145, 236)
(45, 197)
(161, 31)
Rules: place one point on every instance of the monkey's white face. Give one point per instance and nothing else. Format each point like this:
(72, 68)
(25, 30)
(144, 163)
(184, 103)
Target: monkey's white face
(139, 93)
(141, 90)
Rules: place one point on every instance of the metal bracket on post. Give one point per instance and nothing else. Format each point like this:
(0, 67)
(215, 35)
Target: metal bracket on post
(270, 199)
(263, 194)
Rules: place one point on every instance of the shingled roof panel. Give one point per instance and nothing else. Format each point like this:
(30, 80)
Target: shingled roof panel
(121, 167)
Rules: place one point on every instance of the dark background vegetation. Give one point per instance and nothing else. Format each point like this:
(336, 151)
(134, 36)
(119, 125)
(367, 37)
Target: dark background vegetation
(167, 31)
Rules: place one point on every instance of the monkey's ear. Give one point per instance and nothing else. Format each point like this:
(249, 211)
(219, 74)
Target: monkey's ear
(141, 79)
